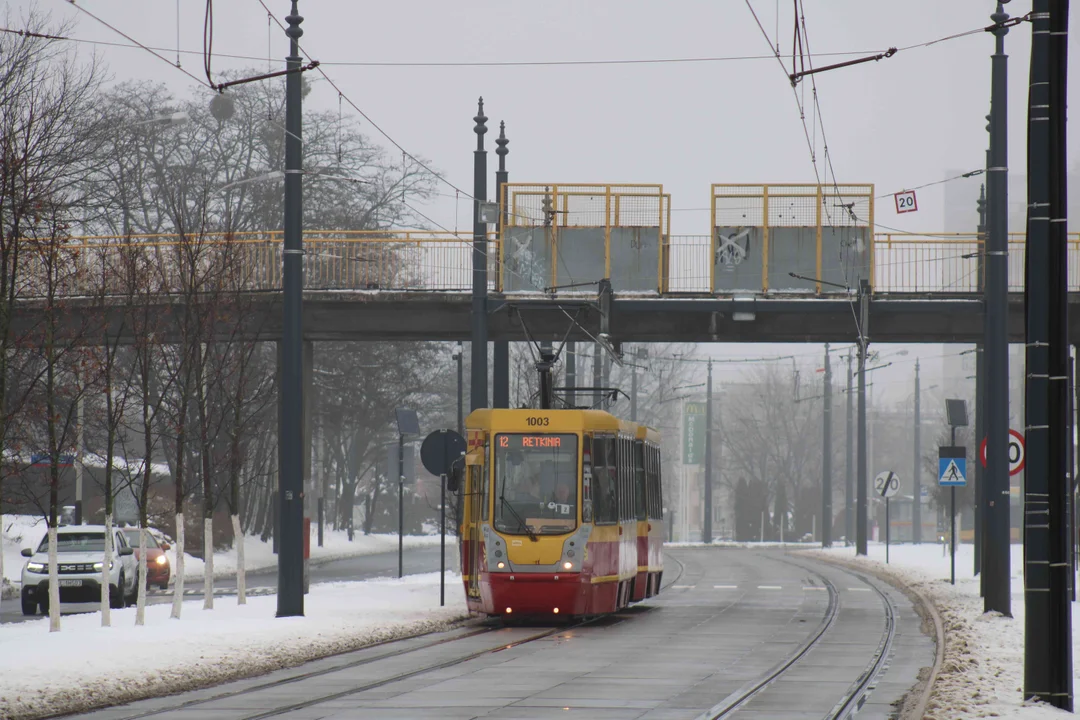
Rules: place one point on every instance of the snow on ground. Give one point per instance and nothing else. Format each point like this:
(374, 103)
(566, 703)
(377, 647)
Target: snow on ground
(983, 671)
(86, 665)
(21, 531)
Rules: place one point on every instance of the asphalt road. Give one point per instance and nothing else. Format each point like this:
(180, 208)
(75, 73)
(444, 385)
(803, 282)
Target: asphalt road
(362, 567)
(731, 618)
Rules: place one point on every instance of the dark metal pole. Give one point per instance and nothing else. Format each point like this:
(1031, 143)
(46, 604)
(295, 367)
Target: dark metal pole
(633, 393)
(500, 356)
(979, 474)
(952, 518)
(401, 507)
(996, 563)
(460, 392)
(1047, 626)
(571, 373)
(597, 375)
(860, 487)
(826, 458)
(290, 599)
(887, 524)
(479, 389)
(849, 455)
(707, 526)
(916, 466)
(442, 523)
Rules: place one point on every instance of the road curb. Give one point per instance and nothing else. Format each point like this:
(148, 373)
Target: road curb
(915, 702)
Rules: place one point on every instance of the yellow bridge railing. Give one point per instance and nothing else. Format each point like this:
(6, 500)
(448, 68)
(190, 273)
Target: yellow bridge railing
(935, 264)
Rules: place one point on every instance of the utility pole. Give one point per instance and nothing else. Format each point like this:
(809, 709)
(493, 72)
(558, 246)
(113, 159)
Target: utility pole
(458, 356)
(860, 489)
(597, 376)
(290, 598)
(826, 459)
(980, 404)
(500, 355)
(1048, 672)
(479, 348)
(916, 467)
(996, 564)
(849, 454)
(571, 373)
(707, 526)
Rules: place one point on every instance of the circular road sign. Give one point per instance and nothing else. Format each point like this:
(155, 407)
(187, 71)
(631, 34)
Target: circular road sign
(441, 450)
(887, 484)
(1016, 452)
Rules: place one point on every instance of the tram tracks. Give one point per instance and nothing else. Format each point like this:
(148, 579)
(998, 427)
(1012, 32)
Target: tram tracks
(361, 687)
(857, 692)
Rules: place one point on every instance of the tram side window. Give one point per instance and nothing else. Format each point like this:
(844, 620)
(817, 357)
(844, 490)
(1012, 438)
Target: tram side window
(650, 482)
(628, 479)
(639, 480)
(659, 485)
(620, 472)
(605, 498)
(485, 491)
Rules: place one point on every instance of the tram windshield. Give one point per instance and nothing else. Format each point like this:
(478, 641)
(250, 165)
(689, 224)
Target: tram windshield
(536, 488)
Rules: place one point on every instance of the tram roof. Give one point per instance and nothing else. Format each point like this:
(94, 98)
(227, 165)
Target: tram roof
(565, 420)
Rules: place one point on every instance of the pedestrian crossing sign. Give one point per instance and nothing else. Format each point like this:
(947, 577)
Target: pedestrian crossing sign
(952, 467)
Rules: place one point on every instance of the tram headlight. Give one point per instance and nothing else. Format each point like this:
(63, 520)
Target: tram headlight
(567, 565)
(501, 565)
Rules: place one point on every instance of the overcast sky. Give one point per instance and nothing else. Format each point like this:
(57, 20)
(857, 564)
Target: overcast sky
(897, 123)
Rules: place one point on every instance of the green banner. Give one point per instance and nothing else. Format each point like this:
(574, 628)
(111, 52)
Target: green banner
(693, 433)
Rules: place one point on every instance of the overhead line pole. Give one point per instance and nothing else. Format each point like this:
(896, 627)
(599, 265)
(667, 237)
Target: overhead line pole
(849, 454)
(826, 461)
(707, 525)
(916, 466)
(996, 563)
(860, 488)
(290, 597)
(479, 345)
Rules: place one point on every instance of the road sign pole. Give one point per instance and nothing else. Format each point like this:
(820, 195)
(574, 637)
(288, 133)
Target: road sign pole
(952, 535)
(401, 507)
(887, 531)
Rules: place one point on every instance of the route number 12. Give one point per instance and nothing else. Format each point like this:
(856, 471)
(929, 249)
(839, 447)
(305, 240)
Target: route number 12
(905, 201)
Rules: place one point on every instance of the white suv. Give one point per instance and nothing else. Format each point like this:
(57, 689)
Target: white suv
(80, 552)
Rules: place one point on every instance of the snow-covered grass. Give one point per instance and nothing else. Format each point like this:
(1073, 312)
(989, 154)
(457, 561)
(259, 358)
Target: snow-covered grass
(21, 531)
(983, 671)
(86, 666)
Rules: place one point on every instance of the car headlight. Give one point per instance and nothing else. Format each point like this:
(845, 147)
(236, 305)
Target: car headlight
(36, 567)
(99, 566)
(161, 560)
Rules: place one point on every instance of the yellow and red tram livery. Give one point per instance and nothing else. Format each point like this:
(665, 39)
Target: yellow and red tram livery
(561, 513)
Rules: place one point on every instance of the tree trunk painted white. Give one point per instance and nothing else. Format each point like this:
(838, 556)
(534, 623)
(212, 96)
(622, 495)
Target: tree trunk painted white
(54, 584)
(140, 603)
(208, 562)
(178, 586)
(106, 562)
(1, 561)
(241, 574)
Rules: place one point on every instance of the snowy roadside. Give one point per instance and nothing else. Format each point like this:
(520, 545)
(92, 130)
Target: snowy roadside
(21, 531)
(982, 674)
(86, 666)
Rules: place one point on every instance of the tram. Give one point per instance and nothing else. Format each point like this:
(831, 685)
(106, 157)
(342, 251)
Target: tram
(562, 513)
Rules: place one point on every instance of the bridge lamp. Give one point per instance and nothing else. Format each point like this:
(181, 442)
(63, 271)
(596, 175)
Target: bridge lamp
(739, 315)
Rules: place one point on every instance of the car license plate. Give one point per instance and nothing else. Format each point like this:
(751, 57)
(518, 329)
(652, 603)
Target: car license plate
(71, 583)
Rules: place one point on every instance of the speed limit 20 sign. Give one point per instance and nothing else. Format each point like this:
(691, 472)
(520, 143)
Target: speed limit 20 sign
(1016, 452)
(905, 201)
(887, 484)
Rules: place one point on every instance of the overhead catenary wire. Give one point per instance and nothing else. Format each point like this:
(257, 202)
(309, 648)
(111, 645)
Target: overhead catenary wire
(135, 42)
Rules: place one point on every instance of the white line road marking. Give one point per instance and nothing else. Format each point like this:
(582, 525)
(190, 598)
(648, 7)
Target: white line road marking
(683, 587)
(726, 587)
(768, 587)
(858, 589)
(814, 587)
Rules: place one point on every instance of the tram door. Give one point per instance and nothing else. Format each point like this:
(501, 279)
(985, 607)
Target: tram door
(475, 493)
